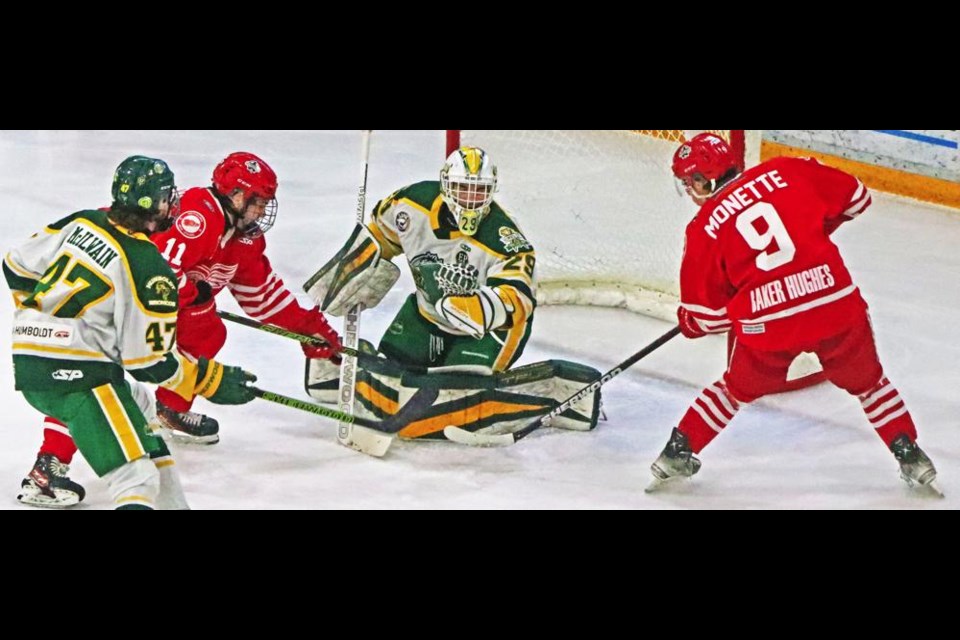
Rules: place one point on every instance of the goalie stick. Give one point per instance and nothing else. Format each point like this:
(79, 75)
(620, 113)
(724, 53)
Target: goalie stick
(351, 335)
(463, 436)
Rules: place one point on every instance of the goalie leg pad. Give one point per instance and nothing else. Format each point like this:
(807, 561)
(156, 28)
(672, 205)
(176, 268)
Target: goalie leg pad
(322, 377)
(559, 380)
(355, 275)
(498, 403)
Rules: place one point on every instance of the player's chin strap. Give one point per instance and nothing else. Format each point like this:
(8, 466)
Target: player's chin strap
(463, 436)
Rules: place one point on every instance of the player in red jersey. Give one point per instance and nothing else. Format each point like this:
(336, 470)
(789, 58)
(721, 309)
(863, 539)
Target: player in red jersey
(217, 243)
(759, 262)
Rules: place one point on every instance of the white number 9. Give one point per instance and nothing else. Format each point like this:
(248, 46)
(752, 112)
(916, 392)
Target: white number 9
(766, 261)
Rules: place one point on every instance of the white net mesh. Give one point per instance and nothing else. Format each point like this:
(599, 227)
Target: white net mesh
(601, 209)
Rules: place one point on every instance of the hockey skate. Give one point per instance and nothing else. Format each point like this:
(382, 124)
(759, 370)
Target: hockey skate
(676, 461)
(47, 485)
(187, 427)
(916, 468)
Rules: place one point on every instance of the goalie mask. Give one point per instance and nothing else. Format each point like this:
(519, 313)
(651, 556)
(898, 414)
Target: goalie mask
(468, 181)
(143, 185)
(702, 165)
(247, 174)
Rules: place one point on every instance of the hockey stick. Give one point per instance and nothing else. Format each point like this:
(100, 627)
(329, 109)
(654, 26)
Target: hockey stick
(285, 333)
(351, 334)
(478, 439)
(387, 426)
(311, 340)
(373, 436)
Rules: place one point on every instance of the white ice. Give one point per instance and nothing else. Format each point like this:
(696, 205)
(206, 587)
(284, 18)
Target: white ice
(807, 450)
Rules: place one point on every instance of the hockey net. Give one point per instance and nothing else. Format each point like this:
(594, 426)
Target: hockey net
(601, 208)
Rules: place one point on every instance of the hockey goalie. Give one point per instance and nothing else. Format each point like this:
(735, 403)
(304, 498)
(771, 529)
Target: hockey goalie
(467, 322)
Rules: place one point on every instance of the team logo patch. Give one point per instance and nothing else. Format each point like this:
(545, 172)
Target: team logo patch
(416, 261)
(162, 289)
(403, 221)
(512, 240)
(252, 166)
(684, 152)
(191, 224)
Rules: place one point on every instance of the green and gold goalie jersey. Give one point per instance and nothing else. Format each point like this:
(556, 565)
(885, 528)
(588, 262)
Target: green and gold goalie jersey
(416, 221)
(92, 300)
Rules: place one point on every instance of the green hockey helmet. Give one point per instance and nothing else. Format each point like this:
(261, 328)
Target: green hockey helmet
(143, 183)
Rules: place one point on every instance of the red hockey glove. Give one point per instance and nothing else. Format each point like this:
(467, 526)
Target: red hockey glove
(315, 324)
(202, 312)
(689, 325)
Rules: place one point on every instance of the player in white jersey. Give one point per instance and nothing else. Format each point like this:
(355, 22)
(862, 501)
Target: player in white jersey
(94, 299)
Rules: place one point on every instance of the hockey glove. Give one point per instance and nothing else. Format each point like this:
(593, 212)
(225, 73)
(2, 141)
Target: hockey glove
(315, 324)
(689, 326)
(357, 274)
(476, 314)
(438, 279)
(203, 309)
(222, 384)
(204, 293)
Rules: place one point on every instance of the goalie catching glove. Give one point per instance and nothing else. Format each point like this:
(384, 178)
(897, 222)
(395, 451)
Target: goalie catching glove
(464, 306)
(357, 274)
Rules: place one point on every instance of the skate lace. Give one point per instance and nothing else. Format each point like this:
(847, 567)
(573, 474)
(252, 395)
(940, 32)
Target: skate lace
(175, 420)
(191, 419)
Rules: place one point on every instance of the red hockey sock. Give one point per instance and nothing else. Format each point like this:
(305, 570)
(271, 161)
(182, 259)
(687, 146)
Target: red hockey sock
(709, 414)
(887, 413)
(173, 401)
(57, 440)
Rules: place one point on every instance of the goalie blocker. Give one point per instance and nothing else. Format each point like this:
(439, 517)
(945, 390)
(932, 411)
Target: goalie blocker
(357, 274)
(479, 402)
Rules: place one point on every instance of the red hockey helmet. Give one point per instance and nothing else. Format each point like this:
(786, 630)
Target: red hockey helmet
(247, 172)
(255, 179)
(704, 154)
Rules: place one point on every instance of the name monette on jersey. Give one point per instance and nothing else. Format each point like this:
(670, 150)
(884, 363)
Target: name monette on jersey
(93, 245)
(743, 197)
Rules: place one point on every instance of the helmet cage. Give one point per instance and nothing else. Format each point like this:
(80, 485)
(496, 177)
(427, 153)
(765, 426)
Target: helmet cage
(468, 181)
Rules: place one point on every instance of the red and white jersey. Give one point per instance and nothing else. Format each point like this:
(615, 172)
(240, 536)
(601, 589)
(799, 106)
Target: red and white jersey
(758, 257)
(201, 246)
